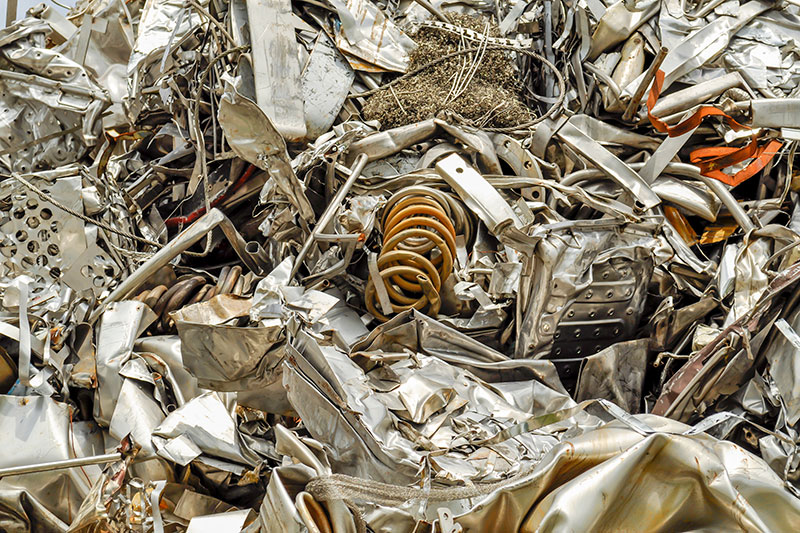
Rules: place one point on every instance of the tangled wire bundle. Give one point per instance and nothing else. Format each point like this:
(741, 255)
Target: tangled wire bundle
(478, 84)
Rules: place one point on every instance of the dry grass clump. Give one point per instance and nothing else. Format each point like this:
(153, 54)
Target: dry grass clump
(490, 99)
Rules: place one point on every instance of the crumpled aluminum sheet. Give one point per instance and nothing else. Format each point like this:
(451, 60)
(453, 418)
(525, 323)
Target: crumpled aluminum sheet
(421, 403)
(606, 321)
(206, 340)
(587, 481)
(615, 373)
(255, 139)
(49, 106)
(202, 426)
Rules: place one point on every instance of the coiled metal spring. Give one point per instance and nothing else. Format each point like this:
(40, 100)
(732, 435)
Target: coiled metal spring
(419, 247)
(163, 300)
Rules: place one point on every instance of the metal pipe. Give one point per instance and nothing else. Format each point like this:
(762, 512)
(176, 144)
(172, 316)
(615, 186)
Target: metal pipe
(330, 211)
(213, 219)
(633, 105)
(258, 255)
(685, 170)
(767, 113)
(60, 465)
(685, 99)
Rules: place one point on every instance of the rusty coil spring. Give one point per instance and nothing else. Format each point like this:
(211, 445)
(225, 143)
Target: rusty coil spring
(164, 300)
(416, 225)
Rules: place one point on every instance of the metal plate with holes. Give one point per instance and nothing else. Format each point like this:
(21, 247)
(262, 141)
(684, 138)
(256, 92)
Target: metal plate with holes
(605, 312)
(585, 288)
(50, 245)
(32, 135)
(521, 161)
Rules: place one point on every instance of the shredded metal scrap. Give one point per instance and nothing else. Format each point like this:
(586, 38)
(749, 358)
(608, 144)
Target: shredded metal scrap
(400, 266)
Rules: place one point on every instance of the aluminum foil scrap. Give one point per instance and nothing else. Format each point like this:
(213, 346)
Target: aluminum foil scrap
(399, 266)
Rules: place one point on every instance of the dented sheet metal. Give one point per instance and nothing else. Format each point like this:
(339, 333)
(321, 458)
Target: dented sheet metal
(364, 265)
(276, 66)
(368, 38)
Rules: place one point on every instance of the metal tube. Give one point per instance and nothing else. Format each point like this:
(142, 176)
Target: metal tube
(385, 143)
(681, 101)
(330, 211)
(766, 113)
(633, 105)
(679, 169)
(258, 255)
(60, 465)
(181, 243)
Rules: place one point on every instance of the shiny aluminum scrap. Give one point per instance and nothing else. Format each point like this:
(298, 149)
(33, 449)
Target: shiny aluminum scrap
(377, 265)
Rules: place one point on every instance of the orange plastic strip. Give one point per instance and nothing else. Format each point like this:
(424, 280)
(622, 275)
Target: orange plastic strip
(717, 157)
(711, 160)
(691, 122)
(681, 225)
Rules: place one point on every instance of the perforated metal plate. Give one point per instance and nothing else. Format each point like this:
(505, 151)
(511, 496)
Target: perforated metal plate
(52, 246)
(606, 312)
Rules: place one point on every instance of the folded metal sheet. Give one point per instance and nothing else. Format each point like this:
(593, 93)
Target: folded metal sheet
(39, 431)
(227, 357)
(587, 481)
(204, 424)
(429, 398)
(276, 67)
(345, 265)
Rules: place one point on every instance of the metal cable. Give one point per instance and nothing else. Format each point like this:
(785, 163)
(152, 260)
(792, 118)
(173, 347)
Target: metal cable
(47, 198)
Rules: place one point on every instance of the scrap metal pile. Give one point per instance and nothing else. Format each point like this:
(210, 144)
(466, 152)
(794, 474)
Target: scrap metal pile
(395, 266)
